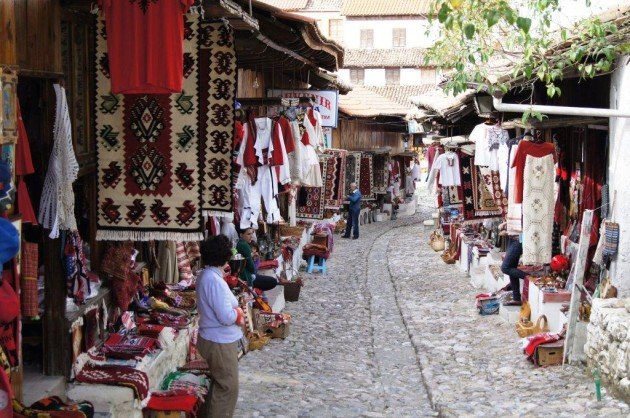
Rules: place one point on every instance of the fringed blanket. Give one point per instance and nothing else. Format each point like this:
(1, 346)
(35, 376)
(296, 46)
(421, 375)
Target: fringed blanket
(353, 170)
(477, 188)
(311, 199)
(538, 209)
(217, 57)
(117, 376)
(335, 180)
(148, 153)
(366, 177)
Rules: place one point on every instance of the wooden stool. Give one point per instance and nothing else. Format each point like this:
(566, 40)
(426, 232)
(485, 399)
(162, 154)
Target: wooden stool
(316, 264)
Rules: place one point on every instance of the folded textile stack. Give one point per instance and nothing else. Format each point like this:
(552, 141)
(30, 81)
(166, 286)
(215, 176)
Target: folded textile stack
(185, 382)
(127, 347)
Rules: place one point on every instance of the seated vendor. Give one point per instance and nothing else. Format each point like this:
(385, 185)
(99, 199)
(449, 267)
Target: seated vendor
(250, 271)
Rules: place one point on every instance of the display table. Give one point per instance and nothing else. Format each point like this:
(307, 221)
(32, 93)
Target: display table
(549, 304)
(118, 401)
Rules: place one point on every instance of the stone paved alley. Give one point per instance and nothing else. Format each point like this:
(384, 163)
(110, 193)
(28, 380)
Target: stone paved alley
(391, 331)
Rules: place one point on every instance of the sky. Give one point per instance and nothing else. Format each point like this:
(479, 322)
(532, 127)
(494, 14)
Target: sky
(573, 10)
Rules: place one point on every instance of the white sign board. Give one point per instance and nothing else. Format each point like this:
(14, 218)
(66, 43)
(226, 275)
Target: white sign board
(325, 101)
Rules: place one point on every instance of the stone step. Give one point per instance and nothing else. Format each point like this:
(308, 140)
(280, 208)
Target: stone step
(509, 313)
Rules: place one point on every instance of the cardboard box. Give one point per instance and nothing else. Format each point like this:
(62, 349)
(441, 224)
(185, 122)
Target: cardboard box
(550, 354)
(281, 331)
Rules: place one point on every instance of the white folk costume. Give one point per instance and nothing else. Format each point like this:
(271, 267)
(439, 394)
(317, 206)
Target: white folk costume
(312, 137)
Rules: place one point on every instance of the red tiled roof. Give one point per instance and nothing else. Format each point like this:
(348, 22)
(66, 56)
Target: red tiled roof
(379, 58)
(288, 5)
(385, 7)
(363, 102)
(402, 94)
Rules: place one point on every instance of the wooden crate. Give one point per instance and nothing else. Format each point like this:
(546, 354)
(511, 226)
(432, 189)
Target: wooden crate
(550, 354)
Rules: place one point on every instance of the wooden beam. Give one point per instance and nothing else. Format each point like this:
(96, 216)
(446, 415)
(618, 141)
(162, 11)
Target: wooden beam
(8, 55)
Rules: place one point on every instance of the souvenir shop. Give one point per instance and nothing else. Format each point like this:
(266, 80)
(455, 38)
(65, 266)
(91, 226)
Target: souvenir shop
(525, 210)
(108, 190)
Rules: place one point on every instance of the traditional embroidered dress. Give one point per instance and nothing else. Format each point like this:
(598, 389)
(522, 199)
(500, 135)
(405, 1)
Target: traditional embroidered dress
(311, 138)
(447, 165)
(538, 205)
(145, 45)
(56, 209)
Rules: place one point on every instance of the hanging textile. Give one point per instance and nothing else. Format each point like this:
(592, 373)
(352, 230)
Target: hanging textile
(167, 271)
(56, 208)
(217, 65)
(366, 177)
(8, 105)
(77, 281)
(148, 154)
(311, 199)
(353, 171)
(478, 199)
(144, 42)
(335, 179)
(29, 266)
(538, 205)
(23, 167)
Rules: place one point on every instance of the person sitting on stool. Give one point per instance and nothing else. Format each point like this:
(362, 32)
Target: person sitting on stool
(250, 274)
(353, 212)
(510, 267)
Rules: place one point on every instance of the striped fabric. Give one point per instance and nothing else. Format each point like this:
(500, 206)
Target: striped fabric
(183, 262)
(28, 279)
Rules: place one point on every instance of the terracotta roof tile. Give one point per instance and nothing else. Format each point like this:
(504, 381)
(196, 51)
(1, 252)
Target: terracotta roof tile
(385, 7)
(402, 94)
(378, 58)
(363, 102)
(288, 5)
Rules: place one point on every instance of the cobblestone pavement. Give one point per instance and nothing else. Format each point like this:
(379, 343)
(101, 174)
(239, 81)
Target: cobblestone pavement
(391, 331)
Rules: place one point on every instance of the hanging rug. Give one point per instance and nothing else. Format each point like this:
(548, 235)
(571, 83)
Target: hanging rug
(366, 177)
(353, 171)
(335, 184)
(148, 153)
(479, 200)
(313, 207)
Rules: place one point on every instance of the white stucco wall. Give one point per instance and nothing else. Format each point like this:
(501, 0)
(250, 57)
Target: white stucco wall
(374, 76)
(619, 175)
(383, 35)
(344, 74)
(410, 77)
(323, 18)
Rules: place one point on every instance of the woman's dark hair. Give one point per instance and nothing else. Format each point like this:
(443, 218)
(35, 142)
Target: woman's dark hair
(242, 230)
(216, 251)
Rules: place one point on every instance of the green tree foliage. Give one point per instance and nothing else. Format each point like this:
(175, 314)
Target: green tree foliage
(478, 38)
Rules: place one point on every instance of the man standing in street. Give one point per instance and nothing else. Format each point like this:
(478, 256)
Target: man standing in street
(353, 212)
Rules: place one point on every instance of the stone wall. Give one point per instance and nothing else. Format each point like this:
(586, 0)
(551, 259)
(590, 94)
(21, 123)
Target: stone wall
(608, 342)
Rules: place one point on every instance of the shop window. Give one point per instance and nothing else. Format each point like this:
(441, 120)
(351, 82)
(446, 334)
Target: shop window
(357, 76)
(367, 38)
(335, 29)
(399, 37)
(392, 76)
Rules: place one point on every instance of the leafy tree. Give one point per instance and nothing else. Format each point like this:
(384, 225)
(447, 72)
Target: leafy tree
(487, 42)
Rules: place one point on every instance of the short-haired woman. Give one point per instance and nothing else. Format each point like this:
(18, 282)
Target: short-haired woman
(220, 318)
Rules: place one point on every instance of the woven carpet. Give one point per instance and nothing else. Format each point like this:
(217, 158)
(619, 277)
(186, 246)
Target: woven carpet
(216, 107)
(353, 170)
(477, 190)
(334, 194)
(313, 207)
(366, 177)
(148, 154)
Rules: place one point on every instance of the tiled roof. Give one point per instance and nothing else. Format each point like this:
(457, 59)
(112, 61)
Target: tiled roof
(378, 58)
(402, 94)
(362, 102)
(288, 5)
(324, 5)
(446, 105)
(385, 7)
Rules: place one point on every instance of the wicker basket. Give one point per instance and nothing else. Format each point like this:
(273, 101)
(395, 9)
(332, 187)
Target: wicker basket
(294, 231)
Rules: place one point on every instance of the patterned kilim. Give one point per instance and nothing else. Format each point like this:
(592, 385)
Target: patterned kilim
(313, 208)
(366, 177)
(148, 154)
(353, 170)
(334, 193)
(217, 54)
(478, 198)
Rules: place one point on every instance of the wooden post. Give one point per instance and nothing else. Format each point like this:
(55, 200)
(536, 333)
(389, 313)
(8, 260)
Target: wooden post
(572, 350)
(8, 54)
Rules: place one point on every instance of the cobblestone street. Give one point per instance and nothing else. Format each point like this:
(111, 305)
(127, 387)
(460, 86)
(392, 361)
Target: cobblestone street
(391, 331)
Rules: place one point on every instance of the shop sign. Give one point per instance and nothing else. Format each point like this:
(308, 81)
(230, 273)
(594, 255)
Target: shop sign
(325, 101)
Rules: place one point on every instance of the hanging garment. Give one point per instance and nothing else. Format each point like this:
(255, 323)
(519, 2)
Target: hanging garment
(296, 158)
(514, 216)
(183, 262)
(168, 271)
(280, 159)
(56, 209)
(247, 153)
(479, 136)
(145, 43)
(23, 167)
(538, 209)
(263, 143)
(496, 137)
(29, 267)
(524, 149)
(268, 183)
(313, 133)
(77, 281)
(447, 165)
(287, 134)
